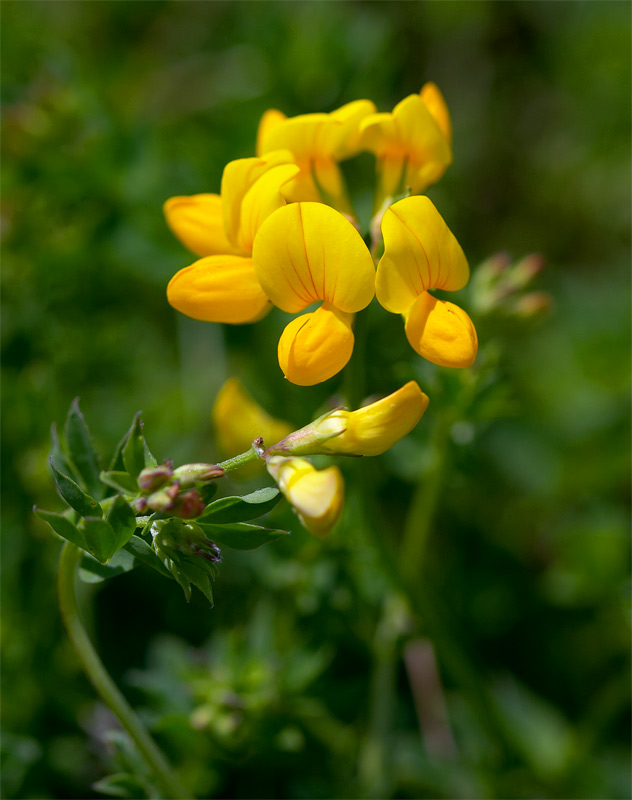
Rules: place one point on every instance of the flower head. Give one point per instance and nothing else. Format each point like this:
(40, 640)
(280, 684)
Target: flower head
(316, 495)
(413, 143)
(222, 286)
(368, 431)
(306, 253)
(317, 143)
(421, 253)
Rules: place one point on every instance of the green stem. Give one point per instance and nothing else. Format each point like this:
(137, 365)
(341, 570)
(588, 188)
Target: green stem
(101, 680)
(424, 503)
(254, 454)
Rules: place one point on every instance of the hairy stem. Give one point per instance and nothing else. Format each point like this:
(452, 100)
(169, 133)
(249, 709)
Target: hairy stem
(101, 680)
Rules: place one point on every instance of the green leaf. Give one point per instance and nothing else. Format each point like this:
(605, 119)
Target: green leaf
(240, 509)
(100, 538)
(121, 481)
(122, 520)
(134, 448)
(143, 553)
(70, 491)
(59, 456)
(121, 784)
(63, 527)
(199, 574)
(92, 571)
(81, 449)
(240, 535)
(207, 491)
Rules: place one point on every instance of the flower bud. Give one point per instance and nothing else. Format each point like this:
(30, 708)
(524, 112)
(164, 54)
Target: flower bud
(152, 478)
(197, 473)
(315, 495)
(369, 431)
(163, 499)
(187, 505)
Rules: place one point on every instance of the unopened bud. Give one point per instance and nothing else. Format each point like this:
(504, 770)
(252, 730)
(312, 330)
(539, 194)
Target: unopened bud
(532, 305)
(188, 474)
(187, 505)
(163, 499)
(152, 478)
(524, 272)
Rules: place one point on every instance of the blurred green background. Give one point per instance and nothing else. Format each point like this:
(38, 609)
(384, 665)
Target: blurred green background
(110, 108)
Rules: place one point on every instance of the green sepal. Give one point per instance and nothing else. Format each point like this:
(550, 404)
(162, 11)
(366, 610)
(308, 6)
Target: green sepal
(81, 449)
(100, 538)
(240, 535)
(93, 571)
(132, 453)
(240, 509)
(144, 554)
(122, 520)
(121, 481)
(74, 495)
(63, 527)
(198, 575)
(207, 491)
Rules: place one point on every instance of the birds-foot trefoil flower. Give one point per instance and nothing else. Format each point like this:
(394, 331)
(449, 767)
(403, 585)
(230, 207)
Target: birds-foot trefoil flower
(421, 253)
(317, 143)
(306, 253)
(315, 495)
(368, 431)
(222, 286)
(412, 144)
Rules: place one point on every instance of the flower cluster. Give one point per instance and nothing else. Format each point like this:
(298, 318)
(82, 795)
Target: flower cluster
(283, 232)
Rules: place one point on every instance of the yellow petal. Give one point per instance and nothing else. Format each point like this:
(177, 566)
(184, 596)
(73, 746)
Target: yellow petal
(375, 428)
(305, 136)
(261, 199)
(420, 253)
(237, 178)
(368, 431)
(306, 252)
(346, 138)
(238, 420)
(316, 495)
(436, 105)
(422, 138)
(198, 221)
(219, 289)
(315, 346)
(268, 121)
(441, 332)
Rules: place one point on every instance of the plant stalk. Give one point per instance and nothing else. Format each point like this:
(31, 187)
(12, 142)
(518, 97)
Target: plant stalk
(101, 680)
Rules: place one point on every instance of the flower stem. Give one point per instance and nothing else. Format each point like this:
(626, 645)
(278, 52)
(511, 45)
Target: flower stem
(101, 680)
(254, 454)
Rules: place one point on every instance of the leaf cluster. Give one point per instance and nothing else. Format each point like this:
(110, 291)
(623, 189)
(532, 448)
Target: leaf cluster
(103, 520)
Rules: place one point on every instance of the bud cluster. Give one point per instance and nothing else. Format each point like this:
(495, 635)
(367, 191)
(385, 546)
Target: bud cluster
(164, 489)
(502, 287)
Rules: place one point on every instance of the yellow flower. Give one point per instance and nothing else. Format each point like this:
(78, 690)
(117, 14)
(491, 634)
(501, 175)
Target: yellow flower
(368, 431)
(317, 143)
(421, 253)
(316, 495)
(306, 253)
(222, 286)
(413, 143)
(238, 420)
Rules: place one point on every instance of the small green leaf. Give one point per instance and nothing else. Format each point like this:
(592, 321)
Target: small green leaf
(198, 574)
(207, 492)
(240, 509)
(59, 456)
(122, 520)
(100, 538)
(121, 784)
(143, 553)
(81, 449)
(117, 459)
(70, 491)
(92, 571)
(63, 527)
(121, 481)
(240, 535)
(134, 448)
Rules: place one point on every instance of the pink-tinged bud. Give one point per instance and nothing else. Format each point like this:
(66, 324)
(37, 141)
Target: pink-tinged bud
(152, 478)
(188, 474)
(368, 431)
(533, 304)
(315, 495)
(187, 505)
(524, 272)
(163, 500)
